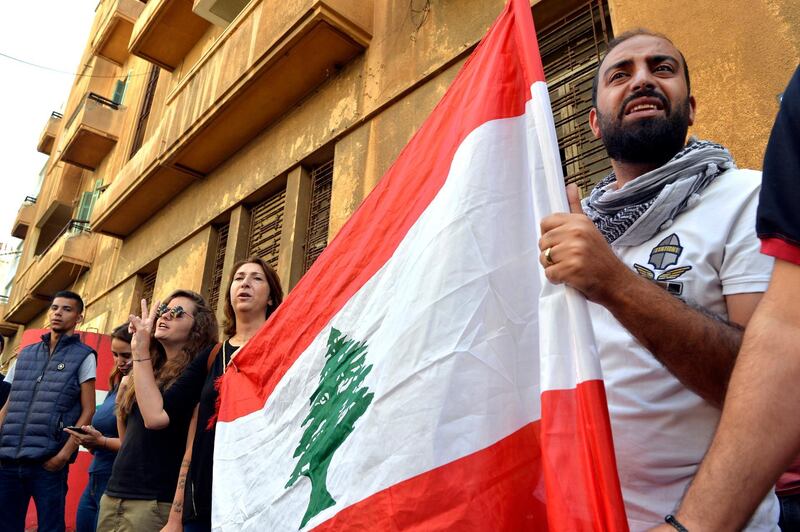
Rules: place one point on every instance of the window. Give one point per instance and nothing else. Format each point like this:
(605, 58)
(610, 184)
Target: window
(266, 222)
(571, 50)
(219, 262)
(319, 213)
(144, 111)
(119, 90)
(148, 288)
(87, 201)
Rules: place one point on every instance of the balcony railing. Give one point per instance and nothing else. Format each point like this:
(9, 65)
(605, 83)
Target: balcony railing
(73, 228)
(3, 299)
(91, 131)
(48, 135)
(114, 32)
(90, 97)
(64, 260)
(166, 31)
(24, 218)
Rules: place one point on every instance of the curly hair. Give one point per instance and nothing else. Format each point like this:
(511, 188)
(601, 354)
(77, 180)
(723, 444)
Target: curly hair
(275, 292)
(204, 333)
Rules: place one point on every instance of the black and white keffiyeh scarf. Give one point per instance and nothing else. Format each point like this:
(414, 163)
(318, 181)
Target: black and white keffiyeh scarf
(633, 214)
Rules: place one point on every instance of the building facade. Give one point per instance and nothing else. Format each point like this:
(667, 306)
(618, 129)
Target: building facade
(199, 132)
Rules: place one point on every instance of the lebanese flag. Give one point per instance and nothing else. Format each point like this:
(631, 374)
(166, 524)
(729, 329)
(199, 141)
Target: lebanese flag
(423, 375)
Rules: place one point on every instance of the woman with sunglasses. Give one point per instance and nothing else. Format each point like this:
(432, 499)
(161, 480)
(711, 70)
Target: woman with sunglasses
(253, 293)
(145, 472)
(101, 437)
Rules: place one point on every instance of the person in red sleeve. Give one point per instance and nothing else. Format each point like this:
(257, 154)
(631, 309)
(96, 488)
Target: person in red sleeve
(759, 433)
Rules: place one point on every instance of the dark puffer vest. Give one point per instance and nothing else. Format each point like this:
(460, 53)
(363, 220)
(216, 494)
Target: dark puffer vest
(45, 398)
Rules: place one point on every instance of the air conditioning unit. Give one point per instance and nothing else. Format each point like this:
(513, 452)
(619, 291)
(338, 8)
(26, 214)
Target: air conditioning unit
(219, 12)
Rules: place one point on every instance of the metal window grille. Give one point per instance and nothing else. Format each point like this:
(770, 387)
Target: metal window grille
(144, 112)
(149, 287)
(319, 214)
(219, 261)
(265, 228)
(571, 49)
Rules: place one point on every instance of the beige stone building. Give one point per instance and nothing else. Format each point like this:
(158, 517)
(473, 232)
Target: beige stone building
(199, 132)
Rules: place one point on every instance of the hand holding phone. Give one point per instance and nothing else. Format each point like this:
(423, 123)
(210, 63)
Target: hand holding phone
(76, 429)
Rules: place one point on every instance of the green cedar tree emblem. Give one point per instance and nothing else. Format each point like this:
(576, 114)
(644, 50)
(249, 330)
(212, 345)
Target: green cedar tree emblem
(336, 404)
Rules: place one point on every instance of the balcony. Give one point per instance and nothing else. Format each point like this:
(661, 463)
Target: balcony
(24, 218)
(6, 328)
(64, 260)
(48, 136)
(22, 304)
(141, 188)
(91, 131)
(165, 32)
(114, 32)
(264, 63)
(57, 198)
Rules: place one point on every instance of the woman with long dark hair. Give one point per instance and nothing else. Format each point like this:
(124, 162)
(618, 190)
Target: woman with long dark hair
(101, 437)
(145, 472)
(253, 293)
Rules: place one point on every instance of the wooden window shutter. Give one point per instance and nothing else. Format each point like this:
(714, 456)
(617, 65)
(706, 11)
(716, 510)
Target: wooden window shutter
(149, 286)
(319, 213)
(219, 261)
(144, 111)
(85, 207)
(266, 223)
(120, 89)
(571, 50)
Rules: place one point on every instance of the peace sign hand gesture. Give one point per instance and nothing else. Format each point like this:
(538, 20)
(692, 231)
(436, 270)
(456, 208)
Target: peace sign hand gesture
(142, 329)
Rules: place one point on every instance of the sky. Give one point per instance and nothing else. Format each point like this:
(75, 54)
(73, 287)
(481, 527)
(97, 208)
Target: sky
(51, 33)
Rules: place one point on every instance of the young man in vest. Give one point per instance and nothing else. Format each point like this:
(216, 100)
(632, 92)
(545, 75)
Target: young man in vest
(664, 250)
(52, 387)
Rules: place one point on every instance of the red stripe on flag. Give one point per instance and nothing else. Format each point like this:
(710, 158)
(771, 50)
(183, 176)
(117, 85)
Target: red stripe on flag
(583, 491)
(497, 488)
(493, 84)
(504, 486)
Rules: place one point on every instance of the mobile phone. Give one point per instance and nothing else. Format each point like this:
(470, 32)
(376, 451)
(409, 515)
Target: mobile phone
(77, 429)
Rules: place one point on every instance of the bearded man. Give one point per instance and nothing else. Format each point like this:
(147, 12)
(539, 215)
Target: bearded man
(664, 250)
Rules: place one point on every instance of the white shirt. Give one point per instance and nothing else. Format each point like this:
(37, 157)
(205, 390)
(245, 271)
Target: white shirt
(662, 429)
(86, 372)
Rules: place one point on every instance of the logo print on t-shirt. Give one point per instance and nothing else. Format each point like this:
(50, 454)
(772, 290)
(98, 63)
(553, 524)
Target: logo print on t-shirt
(665, 254)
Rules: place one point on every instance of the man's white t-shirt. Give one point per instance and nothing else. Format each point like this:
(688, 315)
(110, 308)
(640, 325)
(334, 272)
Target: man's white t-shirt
(86, 372)
(661, 429)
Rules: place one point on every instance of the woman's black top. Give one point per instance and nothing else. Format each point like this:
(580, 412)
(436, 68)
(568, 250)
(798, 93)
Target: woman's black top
(202, 383)
(149, 461)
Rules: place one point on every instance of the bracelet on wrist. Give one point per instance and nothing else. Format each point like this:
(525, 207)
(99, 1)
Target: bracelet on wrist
(673, 521)
(141, 359)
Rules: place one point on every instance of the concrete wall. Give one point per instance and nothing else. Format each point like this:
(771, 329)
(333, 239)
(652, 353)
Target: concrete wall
(185, 265)
(741, 54)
